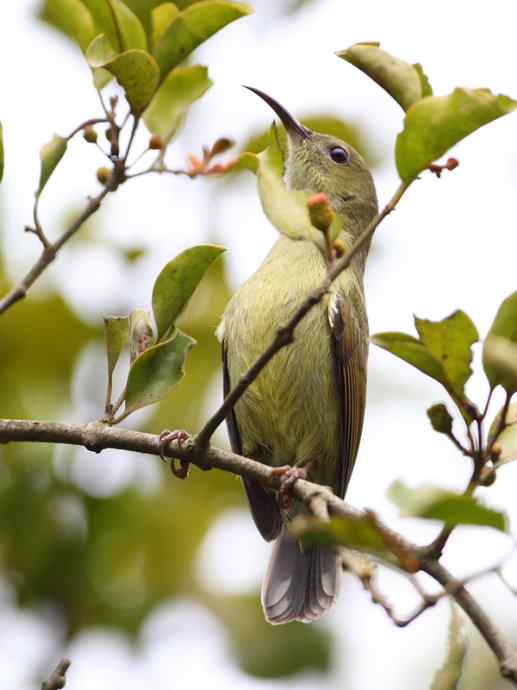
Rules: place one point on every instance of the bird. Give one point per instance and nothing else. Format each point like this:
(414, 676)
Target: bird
(305, 409)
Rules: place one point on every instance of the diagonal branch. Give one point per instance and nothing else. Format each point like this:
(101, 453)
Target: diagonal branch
(285, 335)
(97, 436)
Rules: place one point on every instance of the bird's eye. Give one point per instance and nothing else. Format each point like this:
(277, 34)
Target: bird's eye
(339, 155)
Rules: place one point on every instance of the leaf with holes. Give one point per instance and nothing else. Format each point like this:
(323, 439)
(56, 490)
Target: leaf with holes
(177, 281)
(156, 372)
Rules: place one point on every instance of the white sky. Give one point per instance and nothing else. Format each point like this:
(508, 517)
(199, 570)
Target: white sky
(451, 244)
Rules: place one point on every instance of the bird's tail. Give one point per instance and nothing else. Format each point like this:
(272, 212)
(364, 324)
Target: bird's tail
(300, 584)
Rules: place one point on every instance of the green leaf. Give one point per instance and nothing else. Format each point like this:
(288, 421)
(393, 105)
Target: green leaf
(440, 419)
(130, 31)
(286, 209)
(504, 326)
(432, 503)
(177, 281)
(170, 104)
(161, 18)
(50, 155)
(72, 18)
(500, 362)
(449, 674)
(427, 89)
(450, 341)
(103, 16)
(354, 533)
(404, 82)
(443, 351)
(412, 351)
(116, 332)
(135, 70)
(1, 152)
(192, 27)
(506, 443)
(100, 52)
(436, 123)
(155, 373)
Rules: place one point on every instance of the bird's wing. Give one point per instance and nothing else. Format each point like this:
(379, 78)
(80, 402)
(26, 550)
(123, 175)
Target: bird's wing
(350, 352)
(263, 504)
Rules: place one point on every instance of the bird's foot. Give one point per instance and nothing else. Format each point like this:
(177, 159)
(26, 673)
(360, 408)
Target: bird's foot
(288, 476)
(179, 438)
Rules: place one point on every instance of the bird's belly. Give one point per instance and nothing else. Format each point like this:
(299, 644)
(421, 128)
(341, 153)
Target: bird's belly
(289, 414)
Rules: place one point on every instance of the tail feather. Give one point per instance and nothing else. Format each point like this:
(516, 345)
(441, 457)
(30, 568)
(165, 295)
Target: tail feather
(299, 585)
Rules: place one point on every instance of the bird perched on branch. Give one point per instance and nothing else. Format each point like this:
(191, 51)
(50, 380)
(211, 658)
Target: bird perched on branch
(304, 412)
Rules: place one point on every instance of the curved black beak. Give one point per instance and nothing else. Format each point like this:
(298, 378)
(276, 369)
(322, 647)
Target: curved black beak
(291, 125)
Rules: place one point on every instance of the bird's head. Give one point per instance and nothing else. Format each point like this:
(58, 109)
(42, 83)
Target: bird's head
(322, 163)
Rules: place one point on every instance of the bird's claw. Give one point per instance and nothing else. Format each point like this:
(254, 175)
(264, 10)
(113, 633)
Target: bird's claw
(178, 437)
(288, 476)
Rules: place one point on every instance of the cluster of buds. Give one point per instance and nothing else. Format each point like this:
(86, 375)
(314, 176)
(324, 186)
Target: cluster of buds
(203, 166)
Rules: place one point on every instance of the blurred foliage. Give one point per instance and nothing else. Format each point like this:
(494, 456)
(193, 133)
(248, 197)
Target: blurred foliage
(110, 560)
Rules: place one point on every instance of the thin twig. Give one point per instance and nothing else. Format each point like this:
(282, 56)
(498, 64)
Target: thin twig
(49, 252)
(57, 678)
(285, 335)
(88, 123)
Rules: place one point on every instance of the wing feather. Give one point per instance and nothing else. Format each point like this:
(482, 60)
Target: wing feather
(350, 350)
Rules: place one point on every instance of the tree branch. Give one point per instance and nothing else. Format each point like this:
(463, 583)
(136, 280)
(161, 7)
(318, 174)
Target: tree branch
(285, 335)
(57, 678)
(97, 436)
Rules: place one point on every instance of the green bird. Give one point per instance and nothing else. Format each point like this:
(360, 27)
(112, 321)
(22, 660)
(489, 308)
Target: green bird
(306, 407)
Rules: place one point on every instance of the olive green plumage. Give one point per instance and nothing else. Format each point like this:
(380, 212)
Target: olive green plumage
(307, 405)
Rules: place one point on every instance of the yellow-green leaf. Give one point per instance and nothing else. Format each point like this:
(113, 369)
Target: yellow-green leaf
(436, 123)
(177, 281)
(72, 18)
(102, 14)
(354, 533)
(129, 28)
(192, 27)
(450, 342)
(504, 327)
(432, 503)
(1, 152)
(181, 88)
(155, 373)
(135, 70)
(443, 351)
(116, 332)
(500, 362)
(141, 334)
(506, 443)
(286, 209)
(50, 155)
(448, 676)
(404, 82)
(161, 18)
